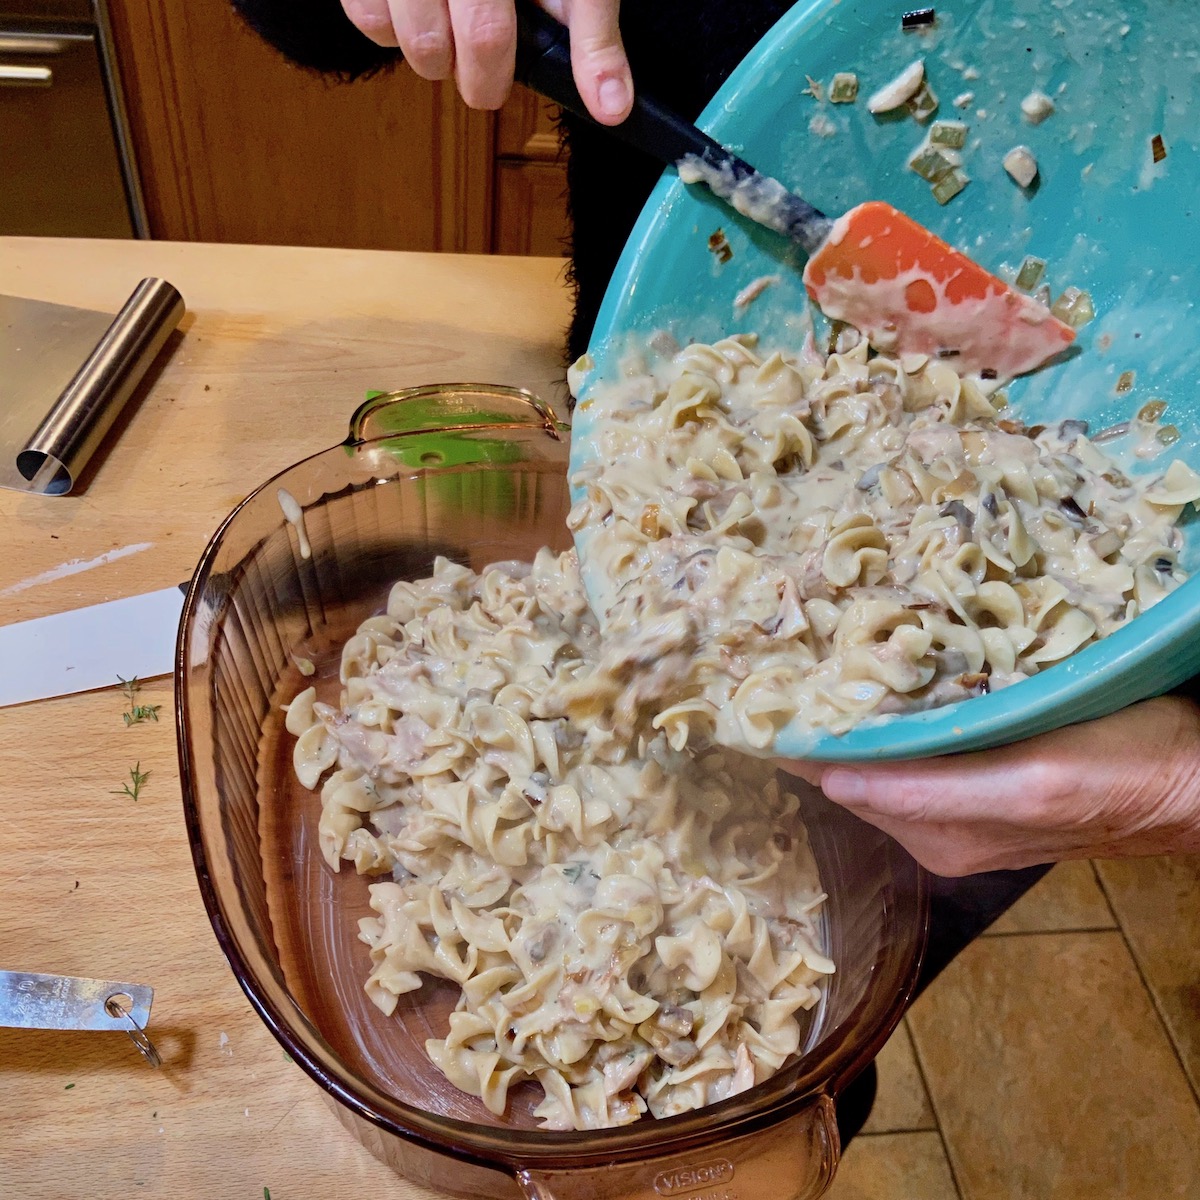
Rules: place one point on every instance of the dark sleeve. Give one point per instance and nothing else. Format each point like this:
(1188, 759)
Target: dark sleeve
(316, 34)
(681, 54)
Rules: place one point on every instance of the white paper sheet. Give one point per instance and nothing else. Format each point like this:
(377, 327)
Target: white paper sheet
(89, 647)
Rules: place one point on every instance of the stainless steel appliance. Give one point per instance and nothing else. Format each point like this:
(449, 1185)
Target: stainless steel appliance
(66, 160)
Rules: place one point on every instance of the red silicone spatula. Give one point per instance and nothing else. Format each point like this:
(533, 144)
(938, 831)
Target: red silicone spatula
(874, 268)
(908, 290)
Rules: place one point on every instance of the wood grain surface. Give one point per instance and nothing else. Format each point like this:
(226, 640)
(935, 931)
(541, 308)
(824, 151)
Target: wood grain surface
(234, 144)
(278, 347)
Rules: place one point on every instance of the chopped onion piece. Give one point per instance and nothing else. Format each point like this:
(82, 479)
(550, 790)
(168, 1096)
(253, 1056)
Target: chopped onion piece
(950, 185)
(1168, 435)
(1036, 107)
(900, 90)
(843, 88)
(753, 290)
(1110, 434)
(924, 104)
(951, 134)
(1021, 165)
(1073, 307)
(1151, 411)
(1106, 543)
(931, 163)
(1125, 383)
(1030, 274)
(964, 99)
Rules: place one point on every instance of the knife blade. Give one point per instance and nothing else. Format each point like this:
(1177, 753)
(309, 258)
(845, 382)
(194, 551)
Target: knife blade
(88, 648)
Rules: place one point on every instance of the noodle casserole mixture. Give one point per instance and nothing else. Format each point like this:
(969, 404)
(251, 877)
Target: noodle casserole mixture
(632, 927)
(554, 805)
(774, 540)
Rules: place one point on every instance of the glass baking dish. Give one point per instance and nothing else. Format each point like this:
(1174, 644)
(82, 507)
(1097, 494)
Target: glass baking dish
(478, 474)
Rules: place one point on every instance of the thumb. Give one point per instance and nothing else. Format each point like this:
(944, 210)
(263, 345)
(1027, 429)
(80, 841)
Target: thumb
(810, 772)
(598, 59)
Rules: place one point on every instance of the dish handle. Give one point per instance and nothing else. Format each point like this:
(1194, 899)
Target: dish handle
(792, 1160)
(441, 407)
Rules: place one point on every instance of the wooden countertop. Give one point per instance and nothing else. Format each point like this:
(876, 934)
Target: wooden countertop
(278, 348)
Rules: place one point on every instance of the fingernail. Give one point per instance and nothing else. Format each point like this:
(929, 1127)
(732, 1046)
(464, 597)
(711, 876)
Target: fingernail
(844, 786)
(614, 96)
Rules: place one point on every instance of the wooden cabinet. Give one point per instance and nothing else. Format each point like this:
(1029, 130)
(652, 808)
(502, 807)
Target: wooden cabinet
(530, 207)
(236, 145)
(530, 210)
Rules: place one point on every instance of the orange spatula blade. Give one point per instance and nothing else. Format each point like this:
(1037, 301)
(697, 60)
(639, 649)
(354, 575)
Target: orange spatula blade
(912, 293)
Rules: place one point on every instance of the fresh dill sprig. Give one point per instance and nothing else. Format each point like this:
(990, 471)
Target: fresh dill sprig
(133, 789)
(141, 712)
(137, 712)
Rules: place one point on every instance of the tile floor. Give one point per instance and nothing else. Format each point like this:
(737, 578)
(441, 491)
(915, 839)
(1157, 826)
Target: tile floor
(1057, 1059)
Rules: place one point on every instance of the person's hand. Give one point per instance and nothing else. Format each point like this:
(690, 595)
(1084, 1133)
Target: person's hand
(475, 41)
(1125, 785)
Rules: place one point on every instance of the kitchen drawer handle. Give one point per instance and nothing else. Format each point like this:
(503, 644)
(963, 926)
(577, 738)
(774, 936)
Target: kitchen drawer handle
(12, 75)
(17, 41)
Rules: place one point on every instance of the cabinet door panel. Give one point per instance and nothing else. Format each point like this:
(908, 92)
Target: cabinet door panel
(531, 208)
(527, 127)
(236, 145)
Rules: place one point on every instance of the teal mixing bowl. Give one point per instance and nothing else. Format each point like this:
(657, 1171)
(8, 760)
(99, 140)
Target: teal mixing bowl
(1106, 217)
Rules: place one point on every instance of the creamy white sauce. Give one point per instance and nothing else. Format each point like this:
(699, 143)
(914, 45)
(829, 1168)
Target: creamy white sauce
(293, 514)
(758, 197)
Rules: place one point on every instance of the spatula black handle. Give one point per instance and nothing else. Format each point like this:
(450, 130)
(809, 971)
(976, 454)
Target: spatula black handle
(543, 64)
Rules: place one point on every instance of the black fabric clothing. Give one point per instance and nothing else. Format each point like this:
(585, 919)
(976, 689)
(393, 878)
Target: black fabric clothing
(961, 909)
(681, 55)
(316, 34)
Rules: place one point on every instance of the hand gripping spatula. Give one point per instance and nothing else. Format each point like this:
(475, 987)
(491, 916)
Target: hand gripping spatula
(874, 268)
